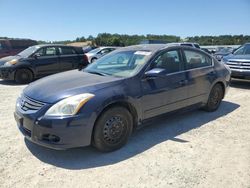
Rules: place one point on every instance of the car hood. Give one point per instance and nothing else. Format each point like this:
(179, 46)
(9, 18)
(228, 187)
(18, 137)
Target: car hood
(233, 57)
(59, 86)
(8, 58)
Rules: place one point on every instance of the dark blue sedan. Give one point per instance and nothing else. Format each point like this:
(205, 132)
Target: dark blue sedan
(102, 104)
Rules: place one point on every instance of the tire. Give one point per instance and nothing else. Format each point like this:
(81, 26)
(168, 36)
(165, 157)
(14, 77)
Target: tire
(112, 129)
(93, 60)
(215, 98)
(23, 76)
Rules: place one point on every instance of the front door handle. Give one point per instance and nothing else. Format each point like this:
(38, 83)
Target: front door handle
(183, 82)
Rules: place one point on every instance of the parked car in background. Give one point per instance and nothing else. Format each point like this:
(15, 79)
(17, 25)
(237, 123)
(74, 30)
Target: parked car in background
(87, 49)
(150, 41)
(95, 54)
(191, 44)
(222, 52)
(41, 60)
(206, 50)
(103, 103)
(239, 62)
(10, 47)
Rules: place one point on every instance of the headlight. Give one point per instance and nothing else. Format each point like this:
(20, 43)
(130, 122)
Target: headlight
(12, 62)
(69, 106)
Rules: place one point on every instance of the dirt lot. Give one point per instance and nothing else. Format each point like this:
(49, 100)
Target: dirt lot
(192, 149)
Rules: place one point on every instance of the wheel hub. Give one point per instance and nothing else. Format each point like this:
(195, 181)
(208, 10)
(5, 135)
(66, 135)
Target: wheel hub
(113, 130)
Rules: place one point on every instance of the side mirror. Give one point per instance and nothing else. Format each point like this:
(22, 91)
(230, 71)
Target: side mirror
(155, 72)
(36, 55)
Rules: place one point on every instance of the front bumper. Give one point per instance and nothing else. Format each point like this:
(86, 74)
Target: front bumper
(7, 73)
(240, 73)
(55, 133)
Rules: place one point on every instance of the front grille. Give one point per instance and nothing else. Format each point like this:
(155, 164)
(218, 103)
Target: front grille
(239, 65)
(28, 104)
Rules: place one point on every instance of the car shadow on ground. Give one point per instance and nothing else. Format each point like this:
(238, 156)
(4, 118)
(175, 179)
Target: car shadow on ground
(241, 84)
(160, 130)
(9, 83)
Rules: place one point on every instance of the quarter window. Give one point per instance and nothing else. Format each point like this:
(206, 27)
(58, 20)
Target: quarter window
(196, 60)
(66, 51)
(169, 60)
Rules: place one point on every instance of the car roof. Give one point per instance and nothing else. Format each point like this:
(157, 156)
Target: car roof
(57, 45)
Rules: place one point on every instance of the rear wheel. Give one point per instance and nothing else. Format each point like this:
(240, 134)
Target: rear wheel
(93, 60)
(215, 98)
(112, 129)
(23, 76)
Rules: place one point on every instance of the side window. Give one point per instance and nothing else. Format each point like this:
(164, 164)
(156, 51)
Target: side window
(1, 47)
(169, 60)
(247, 50)
(50, 51)
(67, 51)
(196, 60)
(40, 52)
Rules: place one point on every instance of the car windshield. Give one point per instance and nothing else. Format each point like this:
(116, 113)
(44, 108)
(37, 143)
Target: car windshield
(243, 50)
(27, 52)
(120, 64)
(95, 51)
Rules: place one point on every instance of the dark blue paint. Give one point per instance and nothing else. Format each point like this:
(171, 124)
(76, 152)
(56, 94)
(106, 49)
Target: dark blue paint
(148, 94)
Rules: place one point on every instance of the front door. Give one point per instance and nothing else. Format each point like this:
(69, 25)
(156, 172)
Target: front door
(166, 93)
(46, 61)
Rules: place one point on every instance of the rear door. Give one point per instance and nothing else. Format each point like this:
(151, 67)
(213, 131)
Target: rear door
(166, 93)
(46, 61)
(200, 74)
(69, 59)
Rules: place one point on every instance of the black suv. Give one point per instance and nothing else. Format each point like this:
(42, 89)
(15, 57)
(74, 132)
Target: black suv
(41, 60)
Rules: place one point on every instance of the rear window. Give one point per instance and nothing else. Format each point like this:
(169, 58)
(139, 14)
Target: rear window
(187, 45)
(67, 51)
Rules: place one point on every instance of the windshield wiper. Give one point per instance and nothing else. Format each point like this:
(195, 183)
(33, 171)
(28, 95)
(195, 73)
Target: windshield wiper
(98, 73)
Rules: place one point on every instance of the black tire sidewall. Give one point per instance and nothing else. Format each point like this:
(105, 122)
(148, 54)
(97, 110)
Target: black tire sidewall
(18, 76)
(98, 137)
(210, 107)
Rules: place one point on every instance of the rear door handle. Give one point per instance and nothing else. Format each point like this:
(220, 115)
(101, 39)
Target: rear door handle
(183, 82)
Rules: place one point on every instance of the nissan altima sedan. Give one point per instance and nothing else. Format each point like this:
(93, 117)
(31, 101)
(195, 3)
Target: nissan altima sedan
(102, 104)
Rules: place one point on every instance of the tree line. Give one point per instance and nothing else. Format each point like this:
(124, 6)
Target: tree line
(107, 39)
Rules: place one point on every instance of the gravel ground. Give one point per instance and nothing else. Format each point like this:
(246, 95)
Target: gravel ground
(192, 149)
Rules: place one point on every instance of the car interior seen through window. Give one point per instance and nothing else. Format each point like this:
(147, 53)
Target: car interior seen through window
(66, 51)
(169, 60)
(196, 59)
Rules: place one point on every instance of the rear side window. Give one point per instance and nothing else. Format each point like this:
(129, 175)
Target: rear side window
(66, 51)
(196, 59)
(1, 47)
(169, 60)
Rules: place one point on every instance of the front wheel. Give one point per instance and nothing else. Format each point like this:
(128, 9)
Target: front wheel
(215, 98)
(23, 76)
(112, 129)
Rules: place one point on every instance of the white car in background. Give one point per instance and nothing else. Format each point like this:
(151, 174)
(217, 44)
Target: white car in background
(95, 54)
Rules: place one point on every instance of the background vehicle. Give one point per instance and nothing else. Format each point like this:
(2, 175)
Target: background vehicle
(87, 49)
(41, 60)
(222, 52)
(191, 44)
(10, 47)
(102, 104)
(206, 50)
(239, 62)
(95, 54)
